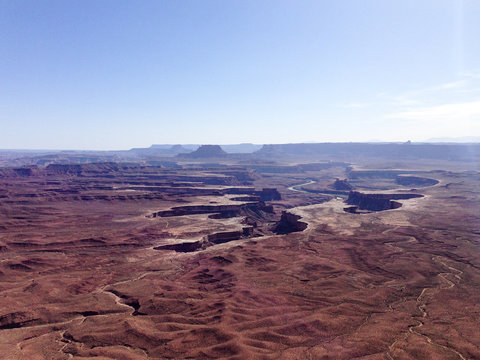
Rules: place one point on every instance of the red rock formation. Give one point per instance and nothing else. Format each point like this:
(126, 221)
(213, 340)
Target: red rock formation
(206, 151)
(342, 185)
(375, 202)
(223, 237)
(224, 210)
(407, 180)
(289, 223)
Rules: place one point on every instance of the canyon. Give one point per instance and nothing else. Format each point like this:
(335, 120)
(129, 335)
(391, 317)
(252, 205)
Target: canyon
(222, 256)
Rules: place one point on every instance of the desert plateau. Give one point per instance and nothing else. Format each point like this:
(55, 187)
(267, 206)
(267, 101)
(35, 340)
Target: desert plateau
(282, 253)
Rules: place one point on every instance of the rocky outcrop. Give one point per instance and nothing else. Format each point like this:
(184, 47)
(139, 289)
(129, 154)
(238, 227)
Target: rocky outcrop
(340, 184)
(226, 236)
(17, 320)
(408, 180)
(266, 194)
(375, 202)
(289, 223)
(224, 210)
(210, 240)
(78, 169)
(25, 171)
(206, 151)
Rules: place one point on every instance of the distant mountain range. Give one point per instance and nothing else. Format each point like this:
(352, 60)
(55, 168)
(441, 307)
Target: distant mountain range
(243, 148)
(356, 151)
(463, 149)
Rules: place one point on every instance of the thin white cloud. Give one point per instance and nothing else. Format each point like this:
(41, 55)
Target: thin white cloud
(471, 74)
(445, 109)
(417, 96)
(445, 86)
(462, 112)
(426, 96)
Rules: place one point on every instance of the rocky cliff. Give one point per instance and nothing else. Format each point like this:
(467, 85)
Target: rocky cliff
(340, 184)
(376, 202)
(289, 223)
(407, 180)
(225, 211)
(206, 151)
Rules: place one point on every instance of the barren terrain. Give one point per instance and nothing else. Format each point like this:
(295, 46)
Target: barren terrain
(239, 261)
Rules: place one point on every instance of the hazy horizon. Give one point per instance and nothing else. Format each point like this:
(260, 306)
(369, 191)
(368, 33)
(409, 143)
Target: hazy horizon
(460, 141)
(107, 75)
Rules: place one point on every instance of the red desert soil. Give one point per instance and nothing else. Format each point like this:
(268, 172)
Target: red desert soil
(84, 271)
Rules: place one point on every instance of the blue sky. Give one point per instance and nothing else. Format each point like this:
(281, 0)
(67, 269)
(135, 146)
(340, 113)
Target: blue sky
(117, 74)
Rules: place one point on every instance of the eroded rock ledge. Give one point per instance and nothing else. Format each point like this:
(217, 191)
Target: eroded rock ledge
(225, 211)
(210, 240)
(375, 202)
(408, 180)
(289, 223)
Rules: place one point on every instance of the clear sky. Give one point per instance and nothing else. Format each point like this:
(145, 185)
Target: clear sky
(117, 74)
